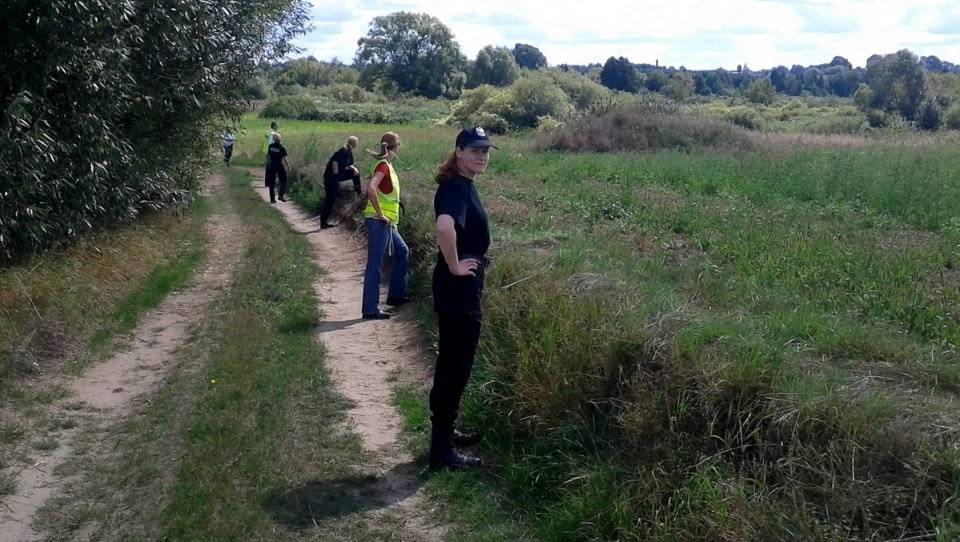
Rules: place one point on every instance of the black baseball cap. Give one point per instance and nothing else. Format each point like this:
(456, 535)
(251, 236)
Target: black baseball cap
(474, 137)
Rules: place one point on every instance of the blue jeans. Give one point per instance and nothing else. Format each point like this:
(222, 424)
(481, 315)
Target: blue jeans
(379, 235)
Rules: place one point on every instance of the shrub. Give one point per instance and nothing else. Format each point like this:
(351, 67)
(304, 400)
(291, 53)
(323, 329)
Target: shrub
(744, 117)
(257, 89)
(298, 106)
(467, 108)
(929, 115)
(951, 119)
(626, 129)
(548, 124)
(583, 92)
(346, 93)
(529, 99)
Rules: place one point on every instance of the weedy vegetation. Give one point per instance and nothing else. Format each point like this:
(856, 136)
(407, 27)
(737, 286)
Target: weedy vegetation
(698, 332)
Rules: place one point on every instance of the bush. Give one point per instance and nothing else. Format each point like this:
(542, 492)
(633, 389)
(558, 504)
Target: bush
(257, 89)
(529, 99)
(951, 119)
(627, 129)
(298, 106)
(548, 124)
(583, 92)
(929, 116)
(466, 110)
(346, 93)
(744, 117)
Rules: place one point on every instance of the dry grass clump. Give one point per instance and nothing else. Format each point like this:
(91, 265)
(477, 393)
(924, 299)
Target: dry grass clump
(627, 129)
(624, 128)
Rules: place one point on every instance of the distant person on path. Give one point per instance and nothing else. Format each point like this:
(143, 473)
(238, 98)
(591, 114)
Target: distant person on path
(463, 237)
(277, 167)
(267, 140)
(339, 168)
(380, 218)
(228, 141)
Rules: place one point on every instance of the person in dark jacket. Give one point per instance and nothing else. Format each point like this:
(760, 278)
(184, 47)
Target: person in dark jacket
(277, 167)
(340, 167)
(463, 237)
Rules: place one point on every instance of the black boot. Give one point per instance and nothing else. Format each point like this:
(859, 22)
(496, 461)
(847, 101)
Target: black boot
(443, 455)
(463, 440)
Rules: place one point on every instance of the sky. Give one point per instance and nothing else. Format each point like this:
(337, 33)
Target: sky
(696, 34)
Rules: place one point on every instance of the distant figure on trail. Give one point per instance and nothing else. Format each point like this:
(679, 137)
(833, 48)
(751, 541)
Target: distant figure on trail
(339, 168)
(267, 140)
(380, 219)
(228, 140)
(463, 236)
(277, 167)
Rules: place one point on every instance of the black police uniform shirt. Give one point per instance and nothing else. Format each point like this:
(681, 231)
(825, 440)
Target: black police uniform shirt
(276, 152)
(458, 198)
(344, 159)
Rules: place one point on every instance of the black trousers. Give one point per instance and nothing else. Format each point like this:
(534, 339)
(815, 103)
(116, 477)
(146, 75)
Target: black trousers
(459, 335)
(227, 153)
(457, 301)
(331, 189)
(276, 172)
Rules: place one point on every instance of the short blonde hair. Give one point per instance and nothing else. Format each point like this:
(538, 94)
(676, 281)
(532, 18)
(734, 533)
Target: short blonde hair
(353, 141)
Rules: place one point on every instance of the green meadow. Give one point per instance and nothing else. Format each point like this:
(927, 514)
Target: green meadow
(750, 344)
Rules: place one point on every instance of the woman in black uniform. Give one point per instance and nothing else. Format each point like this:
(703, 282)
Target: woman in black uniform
(463, 236)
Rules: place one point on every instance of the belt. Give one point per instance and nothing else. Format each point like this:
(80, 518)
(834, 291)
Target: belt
(482, 260)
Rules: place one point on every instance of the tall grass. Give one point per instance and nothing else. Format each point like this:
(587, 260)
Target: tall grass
(56, 305)
(756, 344)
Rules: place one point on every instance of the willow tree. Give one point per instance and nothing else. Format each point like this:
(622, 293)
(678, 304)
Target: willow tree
(411, 53)
(107, 106)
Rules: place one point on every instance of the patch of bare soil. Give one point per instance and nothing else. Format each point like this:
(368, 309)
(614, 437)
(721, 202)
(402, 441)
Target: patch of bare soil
(109, 390)
(364, 356)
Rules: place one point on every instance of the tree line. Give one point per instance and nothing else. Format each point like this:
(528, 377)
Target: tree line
(416, 54)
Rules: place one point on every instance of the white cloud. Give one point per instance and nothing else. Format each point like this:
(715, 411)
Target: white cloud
(691, 33)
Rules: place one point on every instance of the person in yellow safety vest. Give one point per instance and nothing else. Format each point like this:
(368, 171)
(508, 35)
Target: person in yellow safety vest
(380, 219)
(267, 141)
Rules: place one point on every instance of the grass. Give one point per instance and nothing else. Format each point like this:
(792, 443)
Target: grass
(245, 439)
(163, 280)
(699, 345)
(57, 305)
(61, 310)
(739, 345)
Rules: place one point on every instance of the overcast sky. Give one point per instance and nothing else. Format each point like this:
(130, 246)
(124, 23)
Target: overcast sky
(697, 34)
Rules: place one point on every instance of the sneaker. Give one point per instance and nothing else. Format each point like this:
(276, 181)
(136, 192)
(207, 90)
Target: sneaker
(283, 198)
(397, 301)
(328, 225)
(376, 316)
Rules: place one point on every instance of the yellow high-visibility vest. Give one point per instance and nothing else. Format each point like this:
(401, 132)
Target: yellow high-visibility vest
(266, 141)
(389, 203)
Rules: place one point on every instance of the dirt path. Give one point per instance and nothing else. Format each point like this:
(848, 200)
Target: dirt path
(108, 391)
(364, 356)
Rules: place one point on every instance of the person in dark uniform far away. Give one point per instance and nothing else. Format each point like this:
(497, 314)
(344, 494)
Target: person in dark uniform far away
(277, 167)
(267, 140)
(340, 167)
(463, 237)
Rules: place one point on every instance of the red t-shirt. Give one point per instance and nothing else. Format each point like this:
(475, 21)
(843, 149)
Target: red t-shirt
(386, 185)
